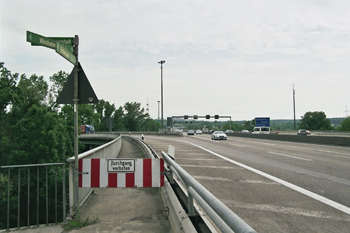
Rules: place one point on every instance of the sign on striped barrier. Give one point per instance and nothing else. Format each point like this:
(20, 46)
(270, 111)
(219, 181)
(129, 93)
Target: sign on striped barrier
(117, 173)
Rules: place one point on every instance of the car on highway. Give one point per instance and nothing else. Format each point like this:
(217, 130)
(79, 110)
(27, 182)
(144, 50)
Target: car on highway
(198, 131)
(190, 132)
(303, 132)
(229, 131)
(245, 131)
(218, 135)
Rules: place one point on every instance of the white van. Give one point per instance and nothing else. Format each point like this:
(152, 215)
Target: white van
(261, 130)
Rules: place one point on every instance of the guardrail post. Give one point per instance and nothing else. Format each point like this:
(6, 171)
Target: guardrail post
(171, 175)
(190, 204)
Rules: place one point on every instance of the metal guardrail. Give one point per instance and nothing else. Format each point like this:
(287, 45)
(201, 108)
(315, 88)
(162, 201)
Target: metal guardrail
(108, 150)
(33, 204)
(176, 214)
(146, 149)
(221, 215)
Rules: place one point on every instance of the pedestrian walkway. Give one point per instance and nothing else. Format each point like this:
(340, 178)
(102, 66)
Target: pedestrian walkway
(121, 210)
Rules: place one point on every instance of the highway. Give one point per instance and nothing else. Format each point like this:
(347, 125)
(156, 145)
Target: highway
(274, 186)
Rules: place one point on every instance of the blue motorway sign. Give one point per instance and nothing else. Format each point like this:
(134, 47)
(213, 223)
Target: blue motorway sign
(262, 121)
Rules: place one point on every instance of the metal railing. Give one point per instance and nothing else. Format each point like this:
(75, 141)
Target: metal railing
(29, 201)
(220, 214)
(108, 150)
(149, 152)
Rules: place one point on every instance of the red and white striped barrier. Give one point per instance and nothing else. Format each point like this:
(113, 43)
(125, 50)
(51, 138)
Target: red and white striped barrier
(116, 173)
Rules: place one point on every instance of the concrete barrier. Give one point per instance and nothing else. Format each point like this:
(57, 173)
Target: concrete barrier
(325, 140)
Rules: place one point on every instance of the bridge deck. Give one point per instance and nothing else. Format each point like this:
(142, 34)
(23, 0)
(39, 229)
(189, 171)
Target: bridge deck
(122, 209)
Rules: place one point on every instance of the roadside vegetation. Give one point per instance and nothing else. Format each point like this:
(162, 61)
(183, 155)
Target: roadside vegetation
(36, 130)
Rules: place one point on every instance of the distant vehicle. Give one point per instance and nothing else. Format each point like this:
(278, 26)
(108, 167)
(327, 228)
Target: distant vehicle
(198, 131)
(303, 132)
(245, 131)
(218, 135)
(229, 131)
(261, 130)
(190, 132)
(87, 129)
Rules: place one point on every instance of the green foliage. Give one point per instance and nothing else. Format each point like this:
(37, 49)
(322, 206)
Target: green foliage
(315, 121)
(34, 90)
(8, 85)
(345, 125)
(134, 116)
(57, 82)
(39, 137)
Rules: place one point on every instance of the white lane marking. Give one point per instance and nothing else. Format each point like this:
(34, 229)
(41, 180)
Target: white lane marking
(305, 148)
(197, 159)
(241, 181)
(236, 145)
(286, 210)
(323, 151)
(186, 165)
(308, 193)
(290, 156)
(265, 143)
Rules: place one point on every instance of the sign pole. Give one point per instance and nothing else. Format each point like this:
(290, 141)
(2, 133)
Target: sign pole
(76, 126)
(67, 47)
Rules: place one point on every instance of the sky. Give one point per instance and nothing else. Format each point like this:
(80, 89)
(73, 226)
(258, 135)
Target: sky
(225, 57)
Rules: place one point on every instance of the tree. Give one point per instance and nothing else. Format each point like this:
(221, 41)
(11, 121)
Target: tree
(31, 132)
(118, 119)
(58, 80)
(249, 125)
(345, 125)
(34, 90)
(134, 116)
(8, 85)
(150, 125)
(39, 137)
(104, 110)
(315, 121)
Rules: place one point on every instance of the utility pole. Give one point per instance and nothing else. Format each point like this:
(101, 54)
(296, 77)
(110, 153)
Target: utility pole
(294, 106)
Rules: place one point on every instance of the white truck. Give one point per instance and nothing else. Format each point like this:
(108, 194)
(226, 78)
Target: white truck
(261, 130)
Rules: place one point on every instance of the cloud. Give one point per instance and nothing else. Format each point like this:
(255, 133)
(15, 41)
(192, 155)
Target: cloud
(250, 52)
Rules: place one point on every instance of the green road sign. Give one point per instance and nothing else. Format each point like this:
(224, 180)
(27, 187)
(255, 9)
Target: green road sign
(62, 45)
(63, 40)
(36, 39)
(66, 51)
(49, 42)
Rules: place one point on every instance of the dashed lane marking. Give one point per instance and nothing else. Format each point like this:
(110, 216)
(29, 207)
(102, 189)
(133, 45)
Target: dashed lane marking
(290, 156)
(308, 193)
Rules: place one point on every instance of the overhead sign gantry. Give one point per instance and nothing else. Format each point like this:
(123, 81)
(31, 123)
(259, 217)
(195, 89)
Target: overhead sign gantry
(195, 117)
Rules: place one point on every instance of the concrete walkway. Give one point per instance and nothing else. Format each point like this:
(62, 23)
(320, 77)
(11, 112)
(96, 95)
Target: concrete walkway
(121, 210)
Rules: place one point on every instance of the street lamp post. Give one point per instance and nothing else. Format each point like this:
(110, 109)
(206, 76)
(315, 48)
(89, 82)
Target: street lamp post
(158, 110)
(161, 84)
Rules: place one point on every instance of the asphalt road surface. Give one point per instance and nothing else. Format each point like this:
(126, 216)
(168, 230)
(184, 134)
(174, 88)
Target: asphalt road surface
(274, 186)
